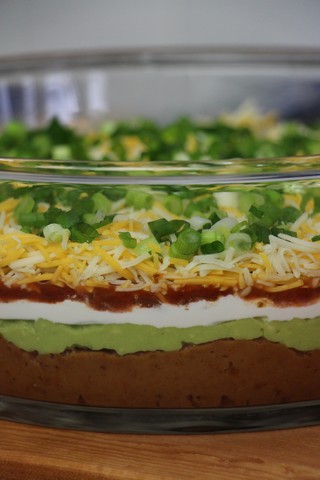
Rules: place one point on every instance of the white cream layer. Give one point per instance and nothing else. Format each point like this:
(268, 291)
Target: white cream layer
(195, 314)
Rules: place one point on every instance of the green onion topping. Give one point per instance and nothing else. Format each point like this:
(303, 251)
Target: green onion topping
(162, 228)
(127, 240)
(186, 245)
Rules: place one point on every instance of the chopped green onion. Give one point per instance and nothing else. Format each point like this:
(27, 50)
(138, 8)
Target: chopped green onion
(272, 197)
(6, 191)
(186, 245)
(139, 200)
(258, 232)
(316, 204)
(108, 219)
(82, 205)
(256, 211)
(239, 227)
(41, 193)
(82, 232)
(181, 156)
(101, 203)
(224, 226)
(239, 241)
(108, 127)
(266, 221)
(267, 214)
(146, 246)
(316, 238)
(114, 193)
(247, 199)
(210, 236)
(290, 214)
(65, 219)
(25, 205)
(127, 240)
(162, 228)
(214, 247)
(92, 218)
(174, 204)
(42, 145)
(26, 229)
(32, 219)
(293, 188)
(205, 205)
(16, 131)
(215, 217)
(227, 199)
(54, 233)
(272, 212)
(306, 199)
(61, 152)
(276, 230)
(192, 209)
(198, 223)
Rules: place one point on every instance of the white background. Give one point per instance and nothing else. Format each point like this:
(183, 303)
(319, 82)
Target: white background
(38, 26)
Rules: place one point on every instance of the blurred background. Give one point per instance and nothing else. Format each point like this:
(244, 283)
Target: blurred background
(52, 65)
(38, 26)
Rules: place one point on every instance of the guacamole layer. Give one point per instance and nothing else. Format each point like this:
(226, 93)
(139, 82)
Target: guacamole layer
(47, 337)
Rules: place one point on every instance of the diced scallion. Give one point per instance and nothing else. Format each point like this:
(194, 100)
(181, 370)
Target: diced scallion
(224, 226)
(82, 232)
(239, 241)
(240, 226)
(55, 233)
(25, 205)
(276, 230)
(127, 240)
(91, 218)
(147, 246)
(186, 245)
(213, 247)
(162, 228)
(139, 200)
(32, 219)
(61, 152)
(174, 204)
(256, 211)
(197, 222)
(209, 236)
(101, 203)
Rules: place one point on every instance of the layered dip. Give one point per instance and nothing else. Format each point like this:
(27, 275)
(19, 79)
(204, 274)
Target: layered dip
(149, 294)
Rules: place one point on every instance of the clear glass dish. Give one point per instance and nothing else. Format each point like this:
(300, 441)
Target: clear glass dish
(158, 84)
(172, 296)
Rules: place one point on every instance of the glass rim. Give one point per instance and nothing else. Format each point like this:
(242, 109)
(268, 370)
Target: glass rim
(205, 172)
(162, 56)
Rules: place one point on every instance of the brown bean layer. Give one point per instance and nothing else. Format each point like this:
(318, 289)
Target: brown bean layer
(216, 374)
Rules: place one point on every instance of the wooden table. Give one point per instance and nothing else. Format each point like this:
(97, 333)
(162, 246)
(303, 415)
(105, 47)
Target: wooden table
(36, 453)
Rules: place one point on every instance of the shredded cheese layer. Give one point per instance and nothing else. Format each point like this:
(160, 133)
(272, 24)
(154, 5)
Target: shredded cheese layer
(283, 264)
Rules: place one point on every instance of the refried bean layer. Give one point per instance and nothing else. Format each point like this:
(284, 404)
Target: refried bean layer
(222, 373)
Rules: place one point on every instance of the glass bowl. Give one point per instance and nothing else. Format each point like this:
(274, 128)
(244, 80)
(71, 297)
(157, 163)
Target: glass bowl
(166, 296)
(160, 84)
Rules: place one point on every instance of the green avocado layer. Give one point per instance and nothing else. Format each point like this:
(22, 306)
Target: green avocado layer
(46, 337)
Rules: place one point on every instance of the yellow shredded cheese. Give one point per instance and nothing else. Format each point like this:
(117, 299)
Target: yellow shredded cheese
(283, 264)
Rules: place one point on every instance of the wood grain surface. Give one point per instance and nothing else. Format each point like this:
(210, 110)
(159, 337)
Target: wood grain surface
(36, 453)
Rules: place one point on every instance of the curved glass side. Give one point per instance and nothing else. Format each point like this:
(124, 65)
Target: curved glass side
(160, 172)
(158, 83)
(160, 421)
